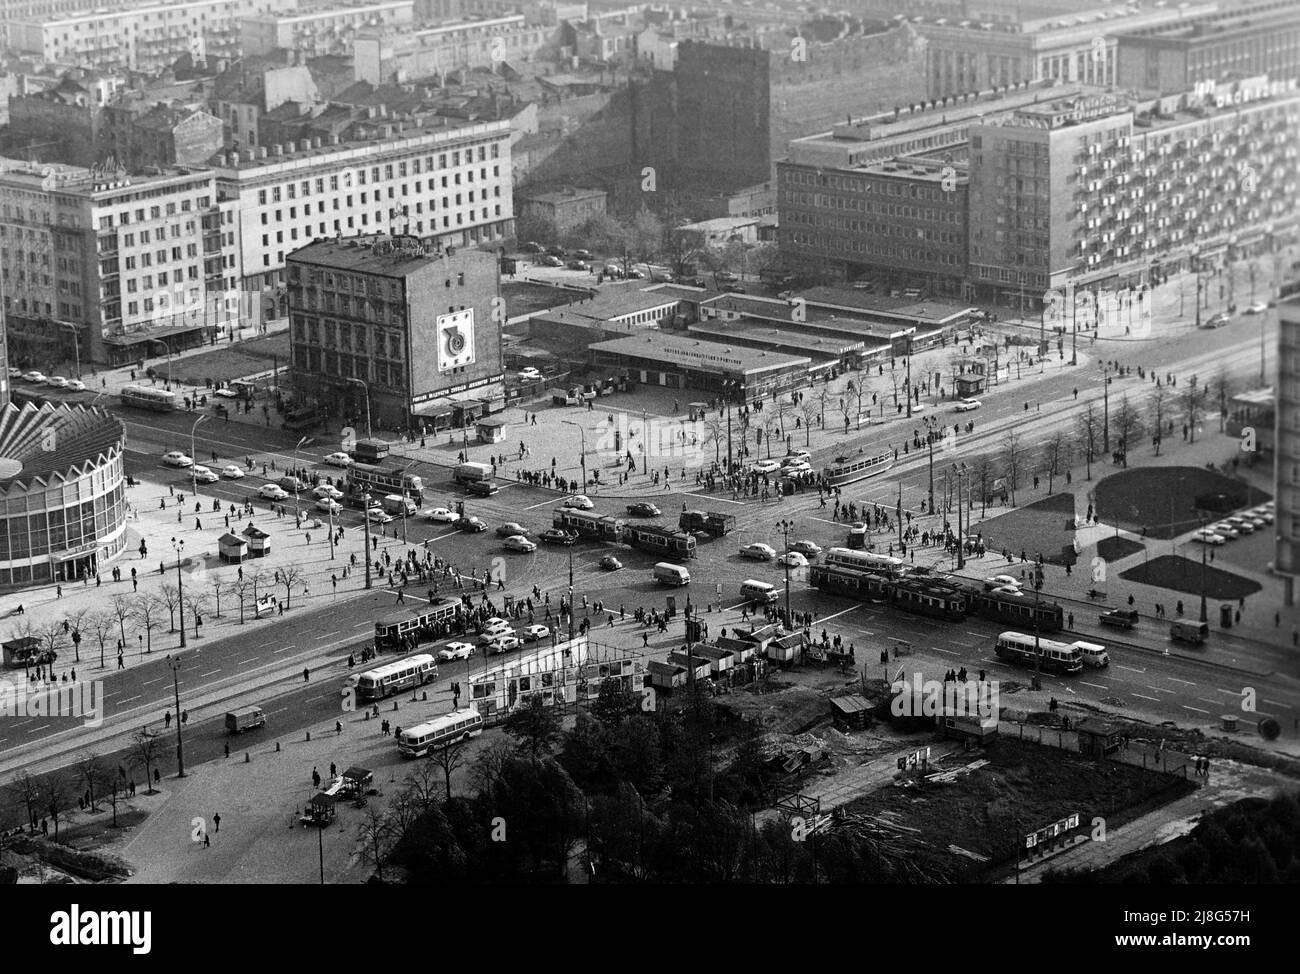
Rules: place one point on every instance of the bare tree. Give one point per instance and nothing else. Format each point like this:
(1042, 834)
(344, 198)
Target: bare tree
(122, 611)
(149, 608)
(376, 837)
(808, 411)
(1221, 388)
(487, 766)
(1055, 454)
(1158, 397)
(76, 620)
(101, 624)
(1193, 400)
(55, 798)
(171, 597)
(713, 432)
(25, 790)
(289, 577)
(824, 395)
(197, 603)
(146, 751)
(449, 759)
(22, 631)
(784, 408)
(51, 635)
(258, 578)
(861, 387)
(1128, 424)
(113, 785)
(242, 589)
(984, 472)
(423, 784)
(1089, 427)
(218, 586)
(91, 773)
(1013, 456)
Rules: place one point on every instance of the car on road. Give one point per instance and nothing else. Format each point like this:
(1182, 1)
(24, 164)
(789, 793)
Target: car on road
(377, 515)
(272, 492)
(792, 559)
(583, 254)
(578, 265)
(225, 393)
(75, 385)
(1007, 590)
(1225, 529)
(803, 455)
(441, 515)
(966, 405)
(1256, 307)
(808, 549)
(758, 551)
(502, 644)
(472, 525)
(766, 466)
(57, 382)
(1119, 618)
(454, 651)
(795, 467)
(1217, 321)
(610, 563)
(510, 529)
(33, 376)
(327, 490)
(176, 458)
(555, 250)
(517, 542)
(579, 501)
(661, 277)
(733, 288)
(339, 459)
(1206, 536)
(998, 581)
(643, 509)
(550, 261)
(203, 475)
(557, 536)
(232, 471)
(1243, 525)
(530, 374)
(328, 505)
(533, 633)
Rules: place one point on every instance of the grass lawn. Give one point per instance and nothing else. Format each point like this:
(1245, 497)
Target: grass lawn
(1040, 527)
(1180, 574)
(1113, 548)
(1162, 501)
(228, 362)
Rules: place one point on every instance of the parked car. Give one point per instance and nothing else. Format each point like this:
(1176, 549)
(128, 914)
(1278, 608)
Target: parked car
(1225, 529)
(1008, 590)
(75, 385)
(176, 458)
(472, 525)
(1242, 524)
(613, 270)
(33, 376)
(583, 254)
(798, 454)
(339, 459)
(661, 277)
(1206, 536)
(510, 529)
(796, 467)
(1121, 618)
(454, 651)
(517, 542)
(533, 633)
(1217, 321)
(579, 501)
(758, 551)
(766, 466)
(792, 559)
(1256, 307)
(15, 372)
(225, 393)
(57, 382)
(555, 250)
(966, 405)
(441, 515)
(610, 563)
(550, 261)
(502, 644)
(1001, 581)
(1262, 513)
(726, 277)
(635, 275)
(806, 548)
(643, 509)
(200, 474)
(578, 265)
(557, 536)
(272, 492)
(232, 471)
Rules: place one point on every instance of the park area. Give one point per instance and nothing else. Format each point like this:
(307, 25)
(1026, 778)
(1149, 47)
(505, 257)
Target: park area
(224, 363)
(1180, 574)
(1163, 502)
(1044, 527)
(956, 830)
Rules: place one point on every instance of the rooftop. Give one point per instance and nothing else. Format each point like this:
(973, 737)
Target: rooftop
(817, 347)
(380, 254)
(560, 195)
(674, 350)
(612, 305)
(47, 443)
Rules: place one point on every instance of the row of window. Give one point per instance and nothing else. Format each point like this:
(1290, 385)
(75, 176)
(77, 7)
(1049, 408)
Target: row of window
(291, 190)
(418, 228)
(898, 252)
(375, 372)
(61, 528)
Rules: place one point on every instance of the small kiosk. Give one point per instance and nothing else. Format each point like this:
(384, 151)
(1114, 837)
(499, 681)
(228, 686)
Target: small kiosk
(320, 810)
(356, 782)
(26, 651)
(259, 542)
(231, 548)
(491, 429)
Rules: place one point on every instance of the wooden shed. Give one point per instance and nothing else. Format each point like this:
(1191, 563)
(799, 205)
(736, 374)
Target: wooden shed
(1098, 738)
(691, 663)
(231, 548)
(259, 542)
(720, 660)
(742, 651)
(784, 649)
(851, 712)
(665, 676)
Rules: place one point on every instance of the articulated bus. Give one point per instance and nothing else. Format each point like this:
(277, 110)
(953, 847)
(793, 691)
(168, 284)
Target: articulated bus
(863, 561)
(660, 541)
(457, 726)
(1053, 657)
(588, 524)
(407, 628)
(146, 397)
(395, 677)
(848, 470)
(380, 480)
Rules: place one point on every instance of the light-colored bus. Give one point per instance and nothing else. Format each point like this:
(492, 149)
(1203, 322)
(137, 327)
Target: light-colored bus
(394, 677)
(147, 397)
(1053, 657)
(862, 561)
(760, 593)
(457, 726)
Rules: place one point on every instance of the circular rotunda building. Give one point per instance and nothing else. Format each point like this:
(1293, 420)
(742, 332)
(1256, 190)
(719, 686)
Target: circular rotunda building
(62, 488)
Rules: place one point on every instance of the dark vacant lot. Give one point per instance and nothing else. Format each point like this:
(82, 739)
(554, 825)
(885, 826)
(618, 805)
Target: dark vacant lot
(228, 362)
(1180, 574)
(1162, 500)
(1041, 527)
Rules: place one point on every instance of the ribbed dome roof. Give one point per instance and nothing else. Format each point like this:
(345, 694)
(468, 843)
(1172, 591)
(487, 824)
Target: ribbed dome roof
(45, 443)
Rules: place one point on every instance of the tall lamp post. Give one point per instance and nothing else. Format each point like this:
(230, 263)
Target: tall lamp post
(728, 390)
(194, 483)
(931, 427)
(297, 507)
(907, 385)
(570, 547)
(960, 469)
(1205, 617)
(583, 457)
(178, 546)
(1105, 399)
(175, 663)
(366, 390)
(785, 527)
(159, 341)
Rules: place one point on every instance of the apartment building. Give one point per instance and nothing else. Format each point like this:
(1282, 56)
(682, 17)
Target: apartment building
(116, 260)
(384, 328)
(321, 30)
(450, 186)
(1287, 456)
(386, 56)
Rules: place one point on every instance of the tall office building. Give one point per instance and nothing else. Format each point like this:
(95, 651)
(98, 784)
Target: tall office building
(1287, 470)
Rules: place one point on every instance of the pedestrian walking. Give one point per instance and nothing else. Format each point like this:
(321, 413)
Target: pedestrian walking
(216, 821)
(306, 674)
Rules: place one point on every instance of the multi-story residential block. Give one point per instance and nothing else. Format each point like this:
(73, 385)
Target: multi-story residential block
(251, 87)
(1072, 186)
(450, 186)
(102, 264)
(318, 30)
(1287, 455)
(563, 209)
(410, 332)
(141, 135)
(144, 38)
(386, 56)
(64, 122)
(1259, 38)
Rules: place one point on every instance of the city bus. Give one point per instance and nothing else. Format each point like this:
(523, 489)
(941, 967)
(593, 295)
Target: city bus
(146, 397)
(587, 524)
(452, 728)
(862, 561)
(395, 677)
(407, 628)
(660, 540)
(382, 481)
(1053, 657)
(848, 470)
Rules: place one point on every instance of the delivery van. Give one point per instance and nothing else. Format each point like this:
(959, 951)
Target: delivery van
(667, 573)
(399, 506)
(760, 593)
(1093, 654)
(1189, 632)
(468, 473)
(245, 718)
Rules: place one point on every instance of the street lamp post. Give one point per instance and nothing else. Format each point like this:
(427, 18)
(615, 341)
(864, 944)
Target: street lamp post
(194, 483)
(1205, 617)
(570, 547)
(366, 390)
(931, 426)
(297, 506)
(961, 558)
(178, 546)
(907, 385)
(583, 458)
(785, 527)
(1105, 399)
(175, 663)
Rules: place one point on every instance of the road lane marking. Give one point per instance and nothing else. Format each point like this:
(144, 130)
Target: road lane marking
(1145, 697)
(251, 659)
(1158, 689)
(1275, 703)
(1208, 700)
(151, 682)
(1096, 686)
(836, 615)
(1175, 679)
(1129, 668)
(35, 729)
(950, 652)
(209, 673)
(977, 635)
(129, 699)
(1196, 709)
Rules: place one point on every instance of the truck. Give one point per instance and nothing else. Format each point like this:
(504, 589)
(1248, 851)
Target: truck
(398, 506)
(369, 451)
(1189, 632)
(575, 396)
(245, 718)
(469, 473)
(709, 522)
(1120, 618)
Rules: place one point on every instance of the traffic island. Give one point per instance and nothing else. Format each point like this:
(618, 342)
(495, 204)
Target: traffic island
(1044, 527)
